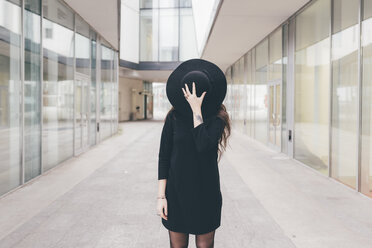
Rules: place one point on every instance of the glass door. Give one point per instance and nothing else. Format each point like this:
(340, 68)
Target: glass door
(81, 112)
(274, 123)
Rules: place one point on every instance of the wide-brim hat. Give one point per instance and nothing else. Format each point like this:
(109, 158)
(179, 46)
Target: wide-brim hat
(207, 77)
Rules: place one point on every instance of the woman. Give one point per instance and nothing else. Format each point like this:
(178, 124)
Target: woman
(189, 196)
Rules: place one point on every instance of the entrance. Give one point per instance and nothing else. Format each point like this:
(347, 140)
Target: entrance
(275, 122)
(81, 112)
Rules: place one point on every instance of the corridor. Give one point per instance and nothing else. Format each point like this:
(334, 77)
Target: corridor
(106, 197)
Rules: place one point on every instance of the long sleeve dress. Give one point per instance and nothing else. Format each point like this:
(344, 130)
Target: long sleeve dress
(188, 160)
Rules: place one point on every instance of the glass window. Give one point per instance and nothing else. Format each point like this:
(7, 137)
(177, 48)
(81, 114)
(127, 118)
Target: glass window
(366, 148)
(168, 3)
(275, 60)
(261, 104)
(249, 94)
(32, 90)
(93, 89)
(188, 45)
(149, 31)
(168, 35)
(345, 40)
(58, 84)
(149, 4)
(312, 67)
(10, 87)
(106, 92)
(82, 46)
(284, 90)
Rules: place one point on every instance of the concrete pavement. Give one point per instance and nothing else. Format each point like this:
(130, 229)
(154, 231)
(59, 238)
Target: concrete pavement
(106, 197)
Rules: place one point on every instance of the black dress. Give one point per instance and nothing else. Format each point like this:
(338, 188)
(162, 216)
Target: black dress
(188, 160)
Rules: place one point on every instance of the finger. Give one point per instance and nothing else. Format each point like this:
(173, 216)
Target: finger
(166, 210)
(193, 88)
(187, 89)
(202, 96)
(184, 92)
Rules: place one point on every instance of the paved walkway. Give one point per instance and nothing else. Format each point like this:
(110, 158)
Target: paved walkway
(107, 198)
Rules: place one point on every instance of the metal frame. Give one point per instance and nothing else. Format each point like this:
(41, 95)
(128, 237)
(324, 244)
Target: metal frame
(22, 100)
(41, 85)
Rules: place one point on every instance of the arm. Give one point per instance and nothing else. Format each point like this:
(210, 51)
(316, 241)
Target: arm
(206, 137)
(166, 144)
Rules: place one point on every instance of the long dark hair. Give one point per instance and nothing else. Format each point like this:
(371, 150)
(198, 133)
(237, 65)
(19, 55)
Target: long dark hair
(222, 143)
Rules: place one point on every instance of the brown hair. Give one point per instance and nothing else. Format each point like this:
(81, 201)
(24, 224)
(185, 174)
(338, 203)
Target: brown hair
(222, 113)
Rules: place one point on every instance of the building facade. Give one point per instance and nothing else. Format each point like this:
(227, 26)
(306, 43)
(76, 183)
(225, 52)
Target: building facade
(305, 90)
(58, 88)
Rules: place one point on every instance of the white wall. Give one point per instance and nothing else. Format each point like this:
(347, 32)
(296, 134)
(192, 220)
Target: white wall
(129, 29)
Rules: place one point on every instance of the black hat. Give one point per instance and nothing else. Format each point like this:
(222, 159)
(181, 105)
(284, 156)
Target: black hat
(207, 77)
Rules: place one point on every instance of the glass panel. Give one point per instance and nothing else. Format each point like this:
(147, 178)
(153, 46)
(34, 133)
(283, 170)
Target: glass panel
(186, 3)
(275, 60)
(261, 99)
(93, 91)
(115, 92)
(106, 92)
(284, 90)
(188, 45)
(149, 31)
(58, 84)
(277, 115)
(32, 90)
(168, 35)
(249, 94)
(10, 93)
(345, 91)
(366, 152)
(271, 115)
(312, 67)
(82, 46)
(149, 3)
(168, 3)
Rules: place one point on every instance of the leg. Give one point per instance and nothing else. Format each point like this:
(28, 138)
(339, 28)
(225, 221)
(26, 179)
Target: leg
(178, 240)
(205, 240)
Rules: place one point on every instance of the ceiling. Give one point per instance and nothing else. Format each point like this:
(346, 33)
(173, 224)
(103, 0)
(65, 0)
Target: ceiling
(241, 24)
(103, 16)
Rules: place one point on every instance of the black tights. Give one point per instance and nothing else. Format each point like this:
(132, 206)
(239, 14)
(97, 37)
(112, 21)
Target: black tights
(181, 240)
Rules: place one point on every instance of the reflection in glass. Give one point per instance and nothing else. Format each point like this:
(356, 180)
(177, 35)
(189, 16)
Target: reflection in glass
(58, 85)
(366, 148)
(261, 100)
(10, 86)
(345, 39)
(312, 56)
(32, 90)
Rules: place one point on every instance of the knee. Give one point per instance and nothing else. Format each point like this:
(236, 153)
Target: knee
(204, 244)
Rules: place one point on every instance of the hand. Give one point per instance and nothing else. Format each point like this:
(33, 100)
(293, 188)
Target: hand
(194, 101)
(163, 205)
